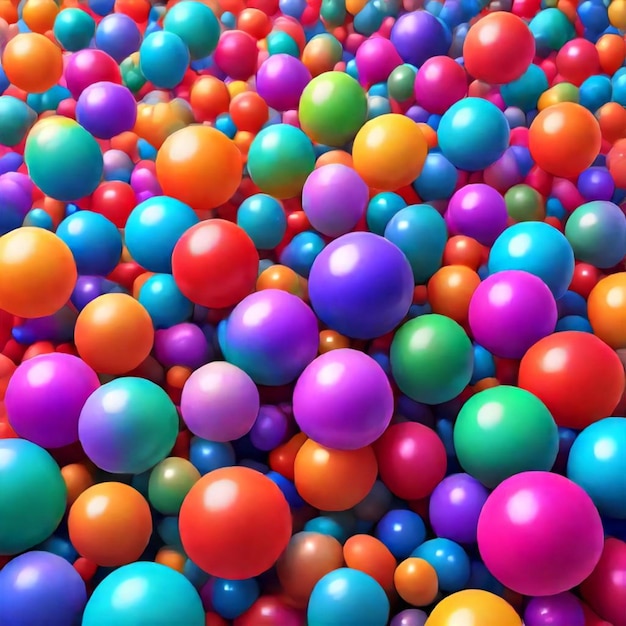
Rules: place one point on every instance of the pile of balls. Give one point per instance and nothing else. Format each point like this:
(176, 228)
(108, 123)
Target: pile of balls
(312, 312)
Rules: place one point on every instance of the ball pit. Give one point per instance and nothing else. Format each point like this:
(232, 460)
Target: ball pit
(312, 312)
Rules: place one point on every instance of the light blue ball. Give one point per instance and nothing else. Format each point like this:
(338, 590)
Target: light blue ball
(74, 29)
(164, 59)
(449, 560)
(165, 303)
(264, 220)
(381, 208)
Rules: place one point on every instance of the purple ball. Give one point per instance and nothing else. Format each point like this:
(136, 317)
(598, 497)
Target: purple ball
(41, 588)
(563, 609)
(409, 617)
(106, 109)
(375, 59)
(418, 36)
(477, 211)
(118, 35)
(343, 400)
(334, 199)
(596, 183)
(510, 311)
(455, 506)
(280, 81)
(15, 201)
(219, 402)
(45, 396)
(184, 344)
(270, 428)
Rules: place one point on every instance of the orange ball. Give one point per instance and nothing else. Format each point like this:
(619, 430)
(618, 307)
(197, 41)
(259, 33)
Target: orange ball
(110, 524)
(37, 272)
(334, 480)
(389, 152)
(308, 557)
(612, 119)
(8, 12)
(39, 15)
(209, 98)
(416, 582)
(200, 166)
(450, 291)
(565, 139)
(249, 111)
(338, 157)
(32, 62)
(616, 162)
(606, 308)
(171, 558)
(114, 334)
(611, 51)
(255, 23)
(332, 340)
(279, 277)
(77, 480)
(463, 250)
(370, 555)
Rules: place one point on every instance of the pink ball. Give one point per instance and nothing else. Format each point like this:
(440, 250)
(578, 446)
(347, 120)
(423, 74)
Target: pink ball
(540, 534)
(439, 83)
(237, 55)
(376, 58)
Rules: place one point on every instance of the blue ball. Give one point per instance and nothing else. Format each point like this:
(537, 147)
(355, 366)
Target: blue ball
(571, 303)
(347, 596)
(449, 560)
(337, 525)
(536, 248)
(207, 456)
(74, 29)
(231, 598)
(39, 218)
(595, 92)
(95, 242)
(473, 134)
(597, 462)
(225, 124)
(152, 594)
(402, 531)
(573, 322)
(288, 488)
(118, 35)
(165, 303)
(484, 364)
(524, 92)
(264, 220)
(153, 229)
(420, 232)
(16, 118)
(381, 208)
(438, 178)
(163, 59)
(300, 253)
(196, 24)
(101, 7)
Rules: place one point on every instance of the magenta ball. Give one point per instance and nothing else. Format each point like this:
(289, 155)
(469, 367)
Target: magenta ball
(375, 59)
(334, 199)
(439, 83)
(343, 400)
(510, 311)
(540, 534)
(477, 211)
(45, 396)
(280, 81)
(563, 609)
(219, 402)
(106, 109)
(89, 66)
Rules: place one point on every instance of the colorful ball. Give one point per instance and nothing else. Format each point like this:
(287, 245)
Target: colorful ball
(563, 607)
(281, 80)
(163, 59)
(263, 219)
(418, 36)
(106, 109)
(197, 26)
(439, 83)
(482, 607)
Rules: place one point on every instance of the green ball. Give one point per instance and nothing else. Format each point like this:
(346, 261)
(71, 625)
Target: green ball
(432, 359)
(400, 83)
(280, 159)
(525, 204)
(170, 482)
(503, 431)
(33, 495)
(333, 107)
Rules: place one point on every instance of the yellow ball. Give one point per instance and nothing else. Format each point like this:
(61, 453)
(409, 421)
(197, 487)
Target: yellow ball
(475, 607)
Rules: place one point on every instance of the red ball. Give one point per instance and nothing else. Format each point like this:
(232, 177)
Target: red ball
(412, 460)
(215, 264)
(271, 611)
(577, 60)
(234, 523)
(115, 200)
(576, 375)
(237, 54)
(498, 48)
(585, 278)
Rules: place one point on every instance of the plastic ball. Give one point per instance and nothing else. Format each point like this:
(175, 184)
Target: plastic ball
(281, 80)
(45, 396)
(449, 561)
(402, 531)
(578, 377)
(128, 425)
(236, 55)
(196, 24)
(184, 172)
(164, 302)
(63, 159)
(418, 36)
(361, 285)
(481, 607)
(163, 59)
(17, 118)
(211, 527)
(332, 109)
(74, 29)
(562, 608)
(152, 592)
(416, 582)
(607, 309)
(540, 534)
(184, 344)
(88, 66)
(215, 264)
(334, 199)
(536, 248)
(153, 229)
(41, 587)
(469, 123)
(389, 152)
(106, 109)
(343, 400)
(381, 208)
(347, 594)
(231, 598)
(498, 48)
(169, 483)
(439, 83)
(492, 443)
(280, 159)
(263, 219)
(31, 480)
(118, 35)
(110, 524)
(510, 311)
(438, 178)
(564, 139)
(95, 242)
(219, 402)
(431, 359)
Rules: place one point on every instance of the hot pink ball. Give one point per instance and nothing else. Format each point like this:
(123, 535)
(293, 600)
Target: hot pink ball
(439, 83)
(540, 534)
(375, 59)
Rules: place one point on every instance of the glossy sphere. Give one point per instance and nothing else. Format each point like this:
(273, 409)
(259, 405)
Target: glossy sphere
(215, 526)
(369, 555)
(416, 582)
(481, 608)
(607, 309)
(110, 524)
(169, 483)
